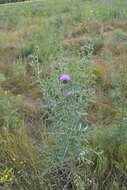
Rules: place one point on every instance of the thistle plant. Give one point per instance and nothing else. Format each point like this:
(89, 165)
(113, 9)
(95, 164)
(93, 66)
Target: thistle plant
(68, 92)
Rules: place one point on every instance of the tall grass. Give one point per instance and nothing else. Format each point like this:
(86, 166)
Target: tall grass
(57, 135)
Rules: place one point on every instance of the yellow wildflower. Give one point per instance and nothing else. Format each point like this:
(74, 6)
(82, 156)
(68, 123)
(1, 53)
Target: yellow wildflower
(14, 159)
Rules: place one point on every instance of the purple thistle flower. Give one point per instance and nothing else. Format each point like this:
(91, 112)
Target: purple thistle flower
(70, 92)
(65, 78)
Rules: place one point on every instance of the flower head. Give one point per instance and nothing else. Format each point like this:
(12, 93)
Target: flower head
(70, 92)
(65, 78)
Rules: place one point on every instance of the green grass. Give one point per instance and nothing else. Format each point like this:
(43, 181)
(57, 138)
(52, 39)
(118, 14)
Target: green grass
(49, 140)
(9, 1)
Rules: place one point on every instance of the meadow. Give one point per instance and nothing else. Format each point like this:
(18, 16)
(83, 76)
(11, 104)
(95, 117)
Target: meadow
(63, 95)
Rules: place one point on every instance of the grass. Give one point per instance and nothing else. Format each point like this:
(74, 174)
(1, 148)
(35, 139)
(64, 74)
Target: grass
(55, 135)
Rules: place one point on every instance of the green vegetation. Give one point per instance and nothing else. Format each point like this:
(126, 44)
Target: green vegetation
(63, 135)
(10, 1)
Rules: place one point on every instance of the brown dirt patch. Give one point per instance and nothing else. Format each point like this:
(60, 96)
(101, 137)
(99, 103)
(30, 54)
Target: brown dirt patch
(76, 40)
